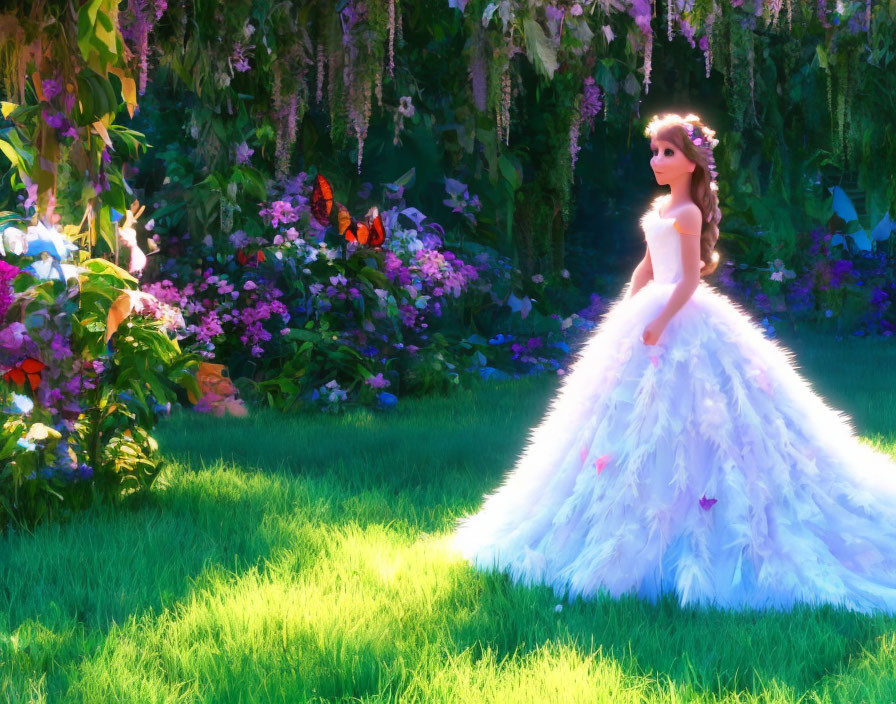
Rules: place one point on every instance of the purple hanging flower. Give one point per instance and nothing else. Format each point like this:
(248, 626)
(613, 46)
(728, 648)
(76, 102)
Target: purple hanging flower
(7, 273)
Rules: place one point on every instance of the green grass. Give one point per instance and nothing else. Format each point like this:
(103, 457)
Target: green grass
(293, 559)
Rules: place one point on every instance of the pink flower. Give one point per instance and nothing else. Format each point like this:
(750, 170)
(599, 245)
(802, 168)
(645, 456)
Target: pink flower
(280, 211)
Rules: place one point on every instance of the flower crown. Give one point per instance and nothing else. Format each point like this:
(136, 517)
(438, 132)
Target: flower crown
(704, 140)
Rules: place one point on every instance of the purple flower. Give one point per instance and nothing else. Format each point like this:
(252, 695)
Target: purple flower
(592, 101)
(7, 273)
(377, 382)
(280, 211)
(55, 120)
(840, 269)
(706, 504)
(51, 88)
(239, 239)
(687, 30)
(241, 63)
(642, 11)
(243, 152)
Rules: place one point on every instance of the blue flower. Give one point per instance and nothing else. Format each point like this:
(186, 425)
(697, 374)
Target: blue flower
(49, 240)
(386, 400)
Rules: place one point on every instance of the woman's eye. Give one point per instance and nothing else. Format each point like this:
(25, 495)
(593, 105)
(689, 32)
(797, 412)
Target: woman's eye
(670, 152)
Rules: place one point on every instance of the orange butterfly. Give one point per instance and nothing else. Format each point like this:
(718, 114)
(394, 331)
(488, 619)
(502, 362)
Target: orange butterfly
(369, 231)
(244, 258)
(321, 200)
(28, 370)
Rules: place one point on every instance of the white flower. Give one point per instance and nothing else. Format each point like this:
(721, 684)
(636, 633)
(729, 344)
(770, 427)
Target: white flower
(537, 278)
(405, 106)
(15, 241)
(564, 273)
(777, 276)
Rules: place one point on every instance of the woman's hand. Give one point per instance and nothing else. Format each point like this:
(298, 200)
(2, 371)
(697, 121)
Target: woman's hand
(652, 332)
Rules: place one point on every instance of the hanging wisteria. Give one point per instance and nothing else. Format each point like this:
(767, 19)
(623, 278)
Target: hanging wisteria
(345, 54)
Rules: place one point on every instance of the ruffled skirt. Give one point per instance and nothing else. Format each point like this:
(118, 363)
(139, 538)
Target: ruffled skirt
(704, 466)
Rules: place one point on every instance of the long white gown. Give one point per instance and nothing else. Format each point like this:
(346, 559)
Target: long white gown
(704, 465)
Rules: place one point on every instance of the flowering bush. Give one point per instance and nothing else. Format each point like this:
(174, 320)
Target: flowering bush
(291, 310)
(830, 286)
(88, 366)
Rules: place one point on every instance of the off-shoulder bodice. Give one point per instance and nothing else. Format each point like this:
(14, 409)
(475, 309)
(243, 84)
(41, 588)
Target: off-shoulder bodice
(663, 242)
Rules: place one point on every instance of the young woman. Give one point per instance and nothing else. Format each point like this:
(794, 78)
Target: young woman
(683, 452)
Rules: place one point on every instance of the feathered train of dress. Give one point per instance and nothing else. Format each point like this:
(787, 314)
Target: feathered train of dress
(704, 465)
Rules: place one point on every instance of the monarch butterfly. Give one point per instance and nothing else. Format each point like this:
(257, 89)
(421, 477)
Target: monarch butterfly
(28, 370)
(321, 200)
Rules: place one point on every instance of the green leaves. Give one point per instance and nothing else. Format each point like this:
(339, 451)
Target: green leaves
(539, 49)
(98, 31)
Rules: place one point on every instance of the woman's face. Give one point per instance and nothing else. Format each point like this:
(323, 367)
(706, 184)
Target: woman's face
(668, 162)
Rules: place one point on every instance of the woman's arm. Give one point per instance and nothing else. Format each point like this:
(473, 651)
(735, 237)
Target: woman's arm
(690, 265)
(640, 276)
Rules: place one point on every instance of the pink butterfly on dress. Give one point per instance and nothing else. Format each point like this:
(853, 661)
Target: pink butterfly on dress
(706, 504)
(584, 453)
(601, 462)
(654, 360)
